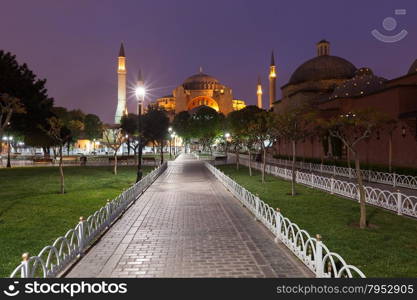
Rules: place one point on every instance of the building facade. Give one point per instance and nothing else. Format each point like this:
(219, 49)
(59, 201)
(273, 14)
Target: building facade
(335, 86)
(200, 90)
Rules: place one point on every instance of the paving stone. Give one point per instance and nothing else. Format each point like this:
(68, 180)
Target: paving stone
(188, 225)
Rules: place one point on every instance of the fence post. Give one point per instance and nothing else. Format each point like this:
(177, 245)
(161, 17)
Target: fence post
(256, 207)
(109, 213)
(278, 217)
(394, 181)
(24, 272)
(312, 179)
(350, 172)
(319, 257)
(81, 237)
(334, 170)
(399, 203)
(331, 185)
(321, 168)
(311, 167)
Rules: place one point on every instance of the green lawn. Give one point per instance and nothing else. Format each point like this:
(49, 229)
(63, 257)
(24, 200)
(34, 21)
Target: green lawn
(390, 250)
(33, 214)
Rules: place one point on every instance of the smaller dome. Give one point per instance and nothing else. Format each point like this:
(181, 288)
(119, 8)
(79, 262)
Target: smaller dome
(413, 68)
(363, 83)
(322, 68)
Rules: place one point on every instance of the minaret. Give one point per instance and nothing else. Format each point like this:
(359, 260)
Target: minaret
(272, 81)
(121, 86)
(259, 92)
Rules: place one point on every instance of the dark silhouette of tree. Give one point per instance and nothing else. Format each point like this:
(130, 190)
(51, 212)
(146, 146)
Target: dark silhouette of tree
(18, 81)
(206, 124)
(182, 126)
(8, 106)
(155, 128)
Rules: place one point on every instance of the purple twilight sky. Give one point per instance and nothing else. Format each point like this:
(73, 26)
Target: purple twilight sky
(74, 44)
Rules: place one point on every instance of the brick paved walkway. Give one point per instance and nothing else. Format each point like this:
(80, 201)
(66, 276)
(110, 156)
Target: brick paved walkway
(188, 225)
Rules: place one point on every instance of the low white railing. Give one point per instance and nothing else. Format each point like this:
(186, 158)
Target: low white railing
(310, 250)
(55, 258)
(398, 202)
(394, 179)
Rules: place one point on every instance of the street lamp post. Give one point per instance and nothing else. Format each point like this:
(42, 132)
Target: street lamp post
(226, 139)
(140, 96)
(170, 142)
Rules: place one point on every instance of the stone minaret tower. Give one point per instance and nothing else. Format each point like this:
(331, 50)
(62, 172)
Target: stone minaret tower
(259, 92)
(272, 82)
(121, 86)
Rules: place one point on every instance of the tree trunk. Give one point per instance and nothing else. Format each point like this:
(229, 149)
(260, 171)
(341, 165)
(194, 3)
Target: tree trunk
(348, 157)
(237, 158)
(68, 149)
(61, 170)
(263, 163)
(250, 162)
(390, 153)
(162, 152)
(293, 170)
(136, 156)
(330, 147)
(1, 141)
(128, 147)
(362, 202)
(115, 163)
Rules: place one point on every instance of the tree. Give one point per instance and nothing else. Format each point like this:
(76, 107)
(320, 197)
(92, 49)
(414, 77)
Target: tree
(182, 126)
(264, 132)
(8, 106)
(351, 128)
(155, 128)
(243, 125)
(20, 82)
(129, 124)
(60, 135)
(295, 124)
(206, 125)
(235, 125)
(114, 139)
(93, 127)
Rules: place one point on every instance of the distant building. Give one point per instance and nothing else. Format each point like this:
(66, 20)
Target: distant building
(200, 90)
(335, 86)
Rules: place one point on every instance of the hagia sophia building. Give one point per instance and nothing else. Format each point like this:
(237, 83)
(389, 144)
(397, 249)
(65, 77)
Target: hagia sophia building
(196, 91)
(331, 84)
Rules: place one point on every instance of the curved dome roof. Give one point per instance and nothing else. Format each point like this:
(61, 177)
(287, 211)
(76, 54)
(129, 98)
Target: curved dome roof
(200, 77)
(364, 83)
(413, 68)
(323, 67)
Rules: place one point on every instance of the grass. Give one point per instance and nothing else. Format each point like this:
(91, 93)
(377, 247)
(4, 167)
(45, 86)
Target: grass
(390, 250)
(33, 214)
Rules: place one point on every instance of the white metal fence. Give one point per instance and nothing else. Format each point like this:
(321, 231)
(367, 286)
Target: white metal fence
(396, 180)
(55, 258)
(398, 202)
(310, 250)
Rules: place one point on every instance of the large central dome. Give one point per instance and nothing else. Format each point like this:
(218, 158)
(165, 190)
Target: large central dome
(323, 67)
(200, 81)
